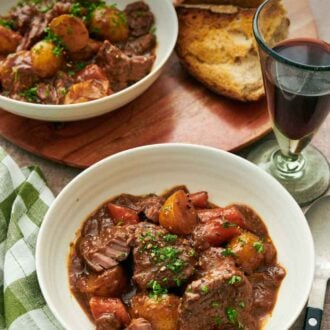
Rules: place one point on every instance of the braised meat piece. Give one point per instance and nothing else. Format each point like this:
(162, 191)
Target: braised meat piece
(139, 324)
(55, 90)
(161, 257)
(108, 321)
(139, 17)
(35, 33)
(140, 45)
(105, 250)
(214, 259)
(22, 16)
(88, 52)
(149, 206)
(265, 285)
(220, 298)
(121, 69)
(47, 93)
(16, 73)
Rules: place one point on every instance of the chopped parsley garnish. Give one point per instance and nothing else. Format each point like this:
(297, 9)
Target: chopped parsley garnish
(191, 253)
(259, 247)
(175, 266)
(170, 238)
(71, 73)
(157, 289)
(215, 304)
(153, 30)
(234, 279)
(242, 241)
(177, 281)
(31, 94)
(228, 224)
(227, 252)
(231, 314)
(56, 40)
(204, 289)
(169, 255)
(85, 8)
(241, 304)
(9, 24)
(217, 320)
(80, 65)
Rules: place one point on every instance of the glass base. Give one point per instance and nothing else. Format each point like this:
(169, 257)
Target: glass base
(308, 181)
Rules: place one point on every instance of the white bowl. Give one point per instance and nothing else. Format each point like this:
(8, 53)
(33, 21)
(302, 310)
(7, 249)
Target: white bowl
(166, 32)
(227, 178)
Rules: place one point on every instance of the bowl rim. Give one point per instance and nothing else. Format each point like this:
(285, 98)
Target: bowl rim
(65, 107)
(163, 146)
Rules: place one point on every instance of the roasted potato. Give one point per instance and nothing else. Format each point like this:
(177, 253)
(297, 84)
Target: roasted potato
(44, 61)
(87, 91)
(109, 23)
(178, 214)
(248, 250)
(71, 30)
(161, 312)
(111, 282)
(9, 40)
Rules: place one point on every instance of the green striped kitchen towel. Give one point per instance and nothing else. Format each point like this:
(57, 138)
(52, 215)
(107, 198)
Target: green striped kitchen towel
(24, 200)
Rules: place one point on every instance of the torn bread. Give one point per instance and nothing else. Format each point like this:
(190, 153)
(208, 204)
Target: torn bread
(240, 3)
(216, 45)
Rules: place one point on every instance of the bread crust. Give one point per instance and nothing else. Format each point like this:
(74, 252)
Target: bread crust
(216, 45)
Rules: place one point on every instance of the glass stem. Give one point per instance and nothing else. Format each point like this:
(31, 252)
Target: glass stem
(287, 165)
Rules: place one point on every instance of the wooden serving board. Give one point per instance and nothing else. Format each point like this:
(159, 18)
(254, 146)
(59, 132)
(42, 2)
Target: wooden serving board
(175, 109)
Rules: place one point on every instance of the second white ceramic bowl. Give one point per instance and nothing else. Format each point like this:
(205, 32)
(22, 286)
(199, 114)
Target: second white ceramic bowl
(227, 178)
(166, 32)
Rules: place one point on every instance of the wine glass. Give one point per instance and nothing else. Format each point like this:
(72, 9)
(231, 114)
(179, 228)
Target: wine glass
(296, 74)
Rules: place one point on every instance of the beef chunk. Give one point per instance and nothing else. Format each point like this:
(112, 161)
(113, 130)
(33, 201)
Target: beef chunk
(35, 32)
(23, 16)
(87, 53)
(108, 321)
(105, 250)
(221, 297)
(139, 17)
(161, 257)
(139, 324)
(264, 286)
(149, 205)
(213, 260)
(16, 73)
(120, 68)
(47, 93)
(140, 45)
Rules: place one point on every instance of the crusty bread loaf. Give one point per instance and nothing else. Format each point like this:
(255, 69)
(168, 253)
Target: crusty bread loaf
(217, 46)
(240, 3)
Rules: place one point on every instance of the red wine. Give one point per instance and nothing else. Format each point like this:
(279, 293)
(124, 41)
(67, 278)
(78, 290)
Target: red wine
(298, 99)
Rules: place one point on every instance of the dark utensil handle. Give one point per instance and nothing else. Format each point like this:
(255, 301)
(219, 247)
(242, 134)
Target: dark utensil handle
(313, 318)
